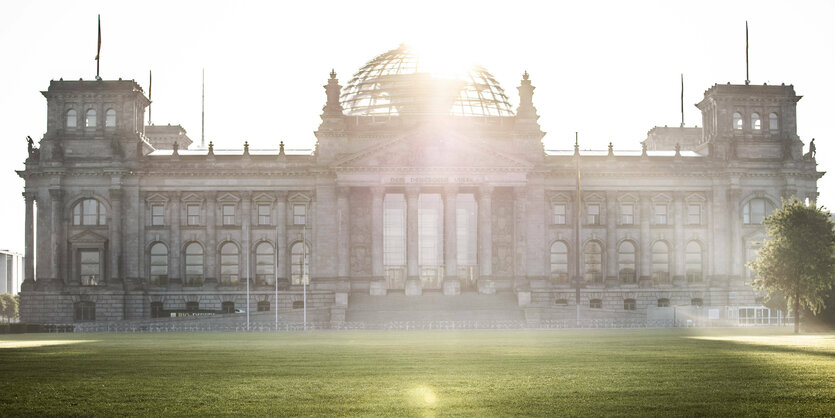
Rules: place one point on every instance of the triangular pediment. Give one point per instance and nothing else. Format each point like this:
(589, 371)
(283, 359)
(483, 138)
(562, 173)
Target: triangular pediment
(431, 149)
(157, 198)
(192, 197)
(87, 236)
(263, 198)
(228, 198)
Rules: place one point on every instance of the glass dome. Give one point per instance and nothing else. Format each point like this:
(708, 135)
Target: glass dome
(400, 82)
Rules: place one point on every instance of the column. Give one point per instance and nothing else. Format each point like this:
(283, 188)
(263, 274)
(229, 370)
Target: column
(29, 254)
(485, 226)
(343, 219)
(246, 231)
(611, 236)
(56, 199)
(281, 233)
(720, 233)
(735, 226)
(377, 231)
(450, 232)
(115, 234)
(679, 247)
(413, 269)
(210, 252)
(645, 265)
(175, 252)
(520, 203)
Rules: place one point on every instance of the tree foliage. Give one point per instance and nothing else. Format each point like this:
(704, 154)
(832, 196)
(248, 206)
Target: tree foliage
(797, 259)
(8, 306)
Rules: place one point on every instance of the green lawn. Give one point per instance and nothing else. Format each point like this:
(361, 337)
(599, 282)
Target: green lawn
(421, 373)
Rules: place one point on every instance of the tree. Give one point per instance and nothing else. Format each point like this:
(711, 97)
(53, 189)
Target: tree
(798, 258)
(8, 306)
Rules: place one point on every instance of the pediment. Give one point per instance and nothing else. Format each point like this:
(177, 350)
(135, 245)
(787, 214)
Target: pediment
(560, 197)
(228, 198)
(192, 197)
(299, 198)
(628, 198)
(157, 198)
(662, 198)
(696, 197)
(87, 236)
(594, 197)
(427, 150)
(263, 198)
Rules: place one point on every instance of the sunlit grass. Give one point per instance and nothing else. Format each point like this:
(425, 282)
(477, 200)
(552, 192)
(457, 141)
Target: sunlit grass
(39, 343)
(431, 373)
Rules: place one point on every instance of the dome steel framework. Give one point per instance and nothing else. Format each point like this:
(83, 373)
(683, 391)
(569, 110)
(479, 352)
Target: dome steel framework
(398, 83)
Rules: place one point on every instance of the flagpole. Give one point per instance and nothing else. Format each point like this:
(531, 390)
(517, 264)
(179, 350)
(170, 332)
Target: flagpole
(275, 270)
(747, 78)
(304, 274)
(577, 222)
(150, 95)
(246, 260)
(98, 51)
(682, 100)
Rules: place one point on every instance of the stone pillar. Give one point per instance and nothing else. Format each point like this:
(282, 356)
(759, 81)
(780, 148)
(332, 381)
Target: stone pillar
(115, 235)
(210, 252)
(377, 232)
(450, 232)
(56, 201)
(721, 234)
(611, 236)
(29, 253)
(281, 234)
(679, 246)
(413, 269)
(645, 264)
(343, 219)
(520, 214)
(485, 226)
(246, 232)
(176, 252)
(735, 226)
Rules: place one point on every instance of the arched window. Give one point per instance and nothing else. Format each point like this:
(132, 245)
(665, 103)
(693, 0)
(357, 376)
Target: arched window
(72, 118)
(596, 304)
(559, 262)
(773, 122)
(227, 307)
(693, 262)
(90, 120)
(626, 262)
(230, 264)
(737, 121)
(756, 210)
(110, 118)
(85, 311)
(157, 310)
(299, 263)
(194, 264)
(264, 306)
(629, 304)
(756, 124)
(159, 264)
(660, 262)
(593, 257)
(663, 303)
(265, 264)
(89, 212)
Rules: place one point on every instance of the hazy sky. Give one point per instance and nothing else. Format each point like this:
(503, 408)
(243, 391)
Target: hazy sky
(609, 70)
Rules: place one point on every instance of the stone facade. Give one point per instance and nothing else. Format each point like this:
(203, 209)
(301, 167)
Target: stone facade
(132, 227)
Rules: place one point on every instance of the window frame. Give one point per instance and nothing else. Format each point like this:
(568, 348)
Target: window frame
(230, 272)
(558, 218)
(71, 115)
(629, 304)
(627, 218)
(264, 219)
(194, 280)
(90, 119)
(97, 278)
(756, 122)
(558, 278)
(661, 218)
(157, 219)
(80, 213)
(593, 217)
(690, 214)
(228, 214)
(84, 310)
(154, 261)
(595, 303)
(299, 218)
(738, 122)
(193, 219)
(110, 118)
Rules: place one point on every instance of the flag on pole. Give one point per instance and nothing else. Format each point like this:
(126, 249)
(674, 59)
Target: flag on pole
(98, 50)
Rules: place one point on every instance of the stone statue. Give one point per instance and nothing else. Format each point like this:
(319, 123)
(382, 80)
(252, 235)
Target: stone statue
(812, 150)
(31, 144)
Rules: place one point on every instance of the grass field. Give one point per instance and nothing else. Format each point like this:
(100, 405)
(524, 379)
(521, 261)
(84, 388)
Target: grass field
(421, 373)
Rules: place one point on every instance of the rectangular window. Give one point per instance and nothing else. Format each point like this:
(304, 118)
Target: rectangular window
(263, 214)
(661, 214)
(89, 267)
(694, 214)
(157, 215)
(627, 213)
(192, 214)
(594, 214)
(299, 214)
(228, 214)
(558, 214)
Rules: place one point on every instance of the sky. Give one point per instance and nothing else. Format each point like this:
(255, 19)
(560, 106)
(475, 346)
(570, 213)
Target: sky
(608, 70)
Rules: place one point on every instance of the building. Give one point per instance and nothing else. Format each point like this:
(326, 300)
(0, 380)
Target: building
(11, 272)
(417, 185)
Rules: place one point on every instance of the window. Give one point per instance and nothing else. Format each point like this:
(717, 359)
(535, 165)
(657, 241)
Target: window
(194, 264)
(89, 212)
(663, 303)
(229, 264)
(661, 214)
(157, 310)
(594, 214)
(72, 118)
(159, 264)
(299, 264)
(629, 304)
(559, 262)
(773, 122)
(593, 258)
(110, 118)
(228, 214)
(264, 214)
(558, 211)
(227, 307)
(192, 214)
(694, 214)
(697, 302)
(561, 302)
(298, 304)
(626, 262)
(85, 311)
(192, 306)
(89, 262)
(693, 262)
(265, 264)
(596, 304)
(299, 214)
(264, 306)
(660, 262)
(157, 215)
(756, 124)
(756, 210)
(627, 214)
(90, 120)
(737, 121)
